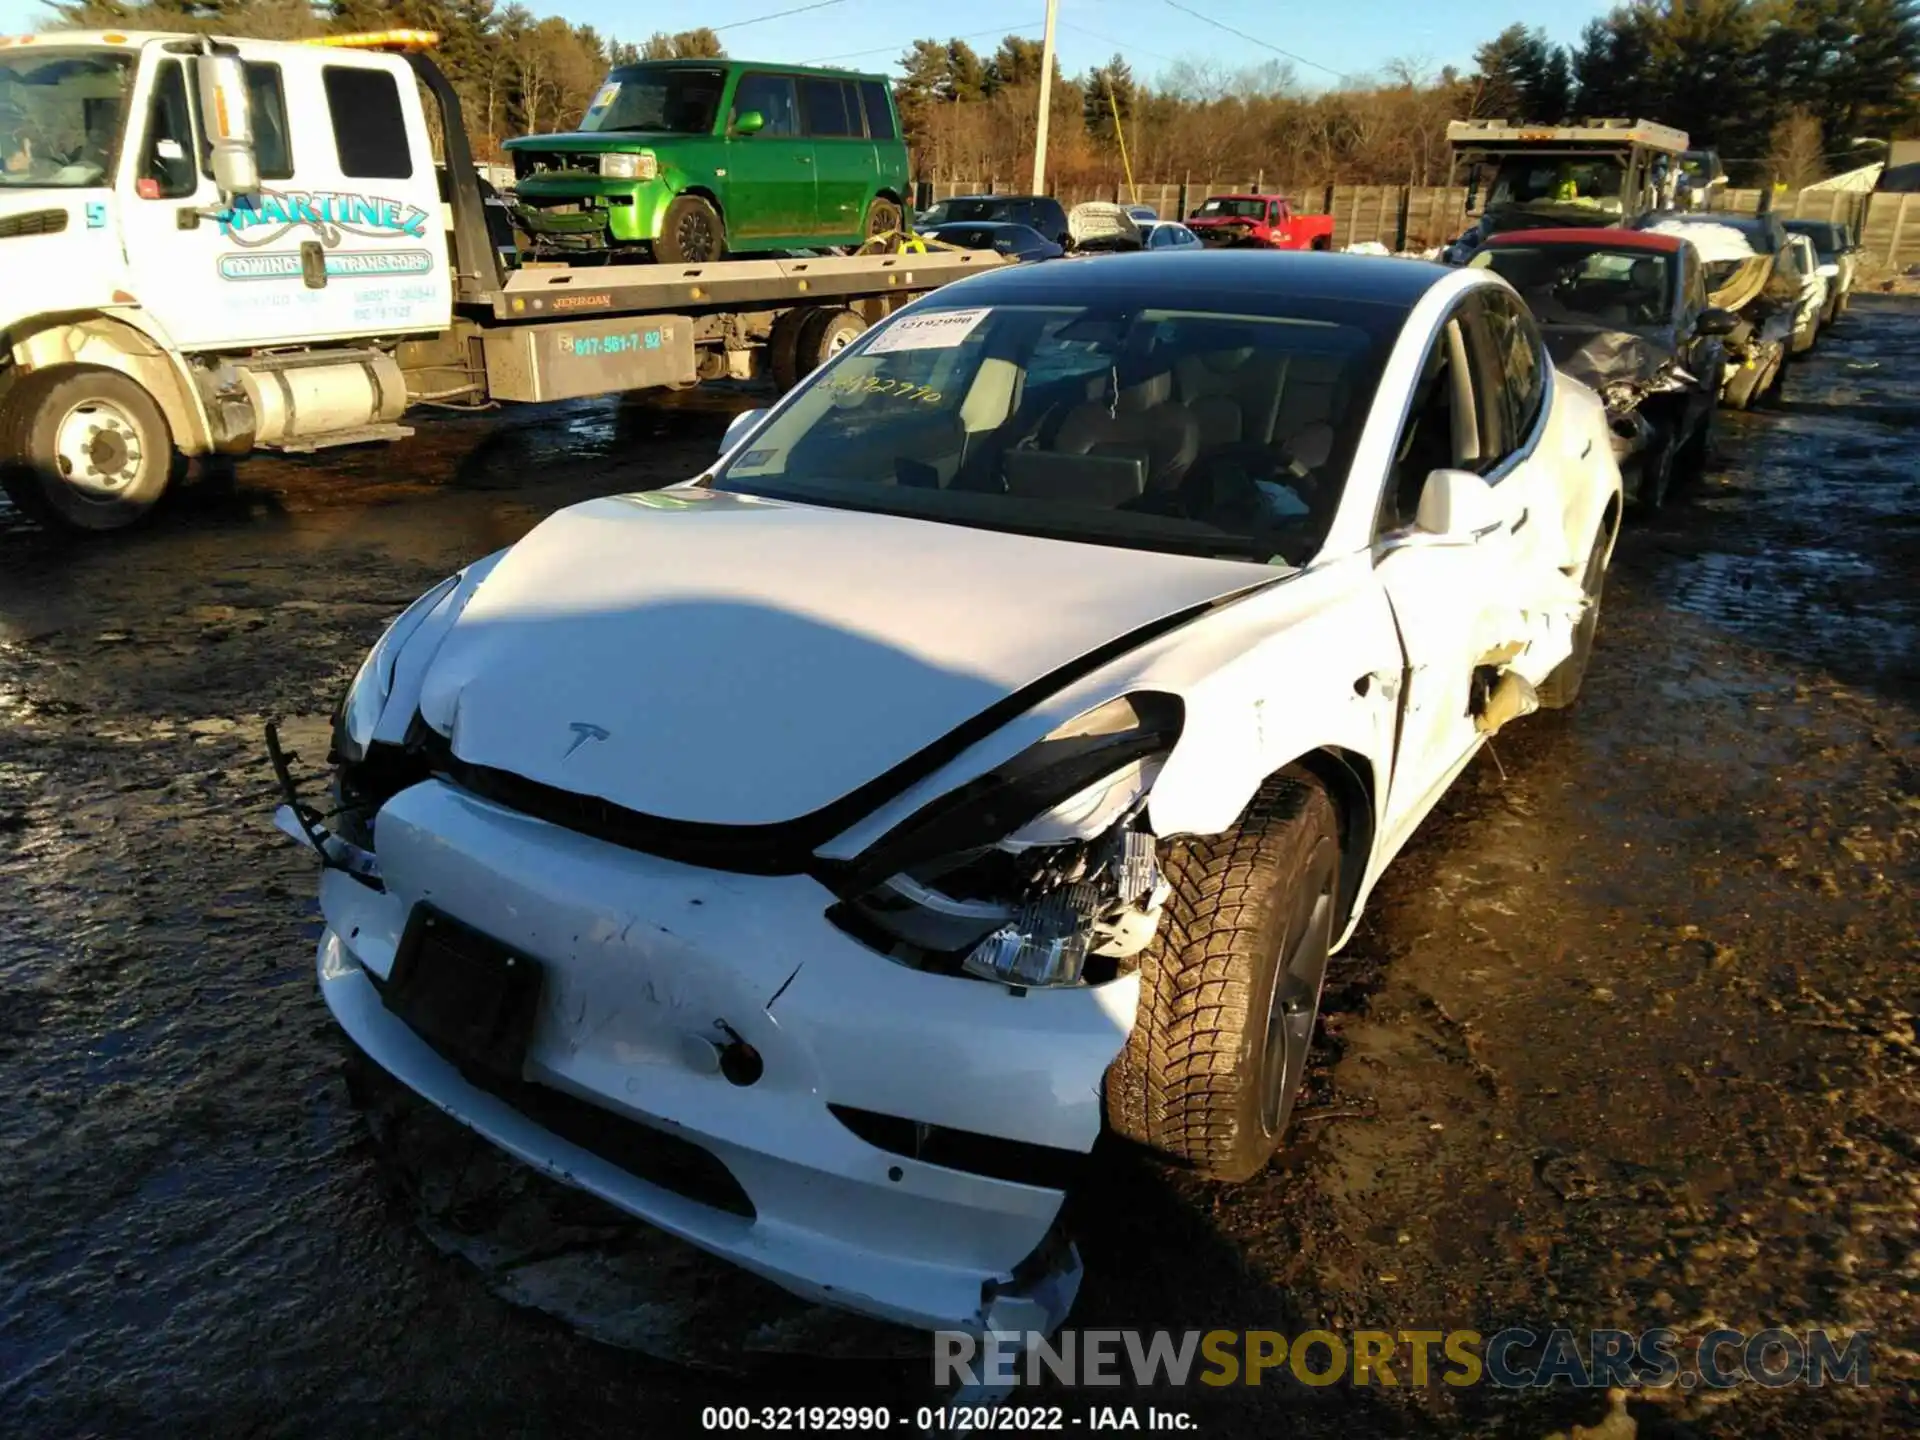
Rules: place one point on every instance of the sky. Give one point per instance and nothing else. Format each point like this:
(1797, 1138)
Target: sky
(1149, 33)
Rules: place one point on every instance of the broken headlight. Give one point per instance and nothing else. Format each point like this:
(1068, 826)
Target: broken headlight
(359, 712)
(1040, 872)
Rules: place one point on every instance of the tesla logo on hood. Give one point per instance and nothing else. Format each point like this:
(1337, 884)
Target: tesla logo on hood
(583, 732)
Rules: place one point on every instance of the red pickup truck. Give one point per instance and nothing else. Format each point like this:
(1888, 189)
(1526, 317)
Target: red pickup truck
(1265, 220)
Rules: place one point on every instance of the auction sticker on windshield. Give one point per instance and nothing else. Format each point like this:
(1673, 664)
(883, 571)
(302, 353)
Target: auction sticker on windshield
(941, 330)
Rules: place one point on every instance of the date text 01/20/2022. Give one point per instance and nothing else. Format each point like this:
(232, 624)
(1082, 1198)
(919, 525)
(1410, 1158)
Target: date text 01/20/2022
(960, 1419)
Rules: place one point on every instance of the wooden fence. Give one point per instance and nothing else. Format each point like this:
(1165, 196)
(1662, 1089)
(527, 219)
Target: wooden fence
(1419, 217)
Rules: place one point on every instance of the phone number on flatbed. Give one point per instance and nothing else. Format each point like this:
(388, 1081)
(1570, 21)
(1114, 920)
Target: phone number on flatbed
(867, 1419)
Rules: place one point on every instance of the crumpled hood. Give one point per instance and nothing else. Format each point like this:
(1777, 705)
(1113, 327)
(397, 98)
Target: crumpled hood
(1600, 357)
(698, 656)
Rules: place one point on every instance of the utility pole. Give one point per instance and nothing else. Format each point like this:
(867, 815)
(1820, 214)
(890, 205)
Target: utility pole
(1046, 103)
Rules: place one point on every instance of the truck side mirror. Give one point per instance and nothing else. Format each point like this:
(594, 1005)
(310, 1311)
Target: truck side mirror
(229, 120)
(751, 122)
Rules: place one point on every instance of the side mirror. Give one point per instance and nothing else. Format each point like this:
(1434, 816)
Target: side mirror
(738, 427)
(229, 121)
(1716, 321)
(751, 122)
(1458, 505)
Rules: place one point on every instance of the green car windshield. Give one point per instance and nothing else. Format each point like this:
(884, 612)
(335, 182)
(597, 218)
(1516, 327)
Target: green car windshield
(61, 113)
(666, 99)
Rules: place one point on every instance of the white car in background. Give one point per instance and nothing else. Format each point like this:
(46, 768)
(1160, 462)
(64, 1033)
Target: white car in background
(991, 747)
(1168, 235)
(1802, 262)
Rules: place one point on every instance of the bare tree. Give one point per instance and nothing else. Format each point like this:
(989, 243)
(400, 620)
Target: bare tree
(1795, 157)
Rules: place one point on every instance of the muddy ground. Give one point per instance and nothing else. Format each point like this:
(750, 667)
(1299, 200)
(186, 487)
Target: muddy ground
(1628, 1038)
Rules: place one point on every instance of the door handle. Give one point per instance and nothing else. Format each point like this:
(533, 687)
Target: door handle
(804, 159)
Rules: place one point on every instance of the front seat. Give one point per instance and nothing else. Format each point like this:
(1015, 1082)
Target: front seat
(1145, 420)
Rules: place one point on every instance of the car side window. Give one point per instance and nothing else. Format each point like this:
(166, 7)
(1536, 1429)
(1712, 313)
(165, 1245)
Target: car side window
(369, 127)
(166, 158)
(773, 97)
(1441, 430)
(1515, 380)
(825, 102)
(879, 114)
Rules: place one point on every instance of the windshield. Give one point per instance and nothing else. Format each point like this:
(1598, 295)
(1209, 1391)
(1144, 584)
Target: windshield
(665, 98)
(1160, 429)
(948, 211)
(984, 237)
(1572, 285)
(1546, 180)
(61, 114)
(1230, 205)
(1825, 238)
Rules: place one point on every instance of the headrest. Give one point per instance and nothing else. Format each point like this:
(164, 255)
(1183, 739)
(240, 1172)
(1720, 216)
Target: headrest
(1145, 394)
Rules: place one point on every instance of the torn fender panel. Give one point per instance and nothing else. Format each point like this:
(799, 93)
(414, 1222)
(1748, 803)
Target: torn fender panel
(1262, 682)
(1533, 631)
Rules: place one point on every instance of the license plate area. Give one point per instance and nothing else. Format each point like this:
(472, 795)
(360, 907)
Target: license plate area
(466, 994)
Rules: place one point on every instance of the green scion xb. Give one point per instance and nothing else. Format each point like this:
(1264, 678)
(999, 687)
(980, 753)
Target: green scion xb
(691, 159)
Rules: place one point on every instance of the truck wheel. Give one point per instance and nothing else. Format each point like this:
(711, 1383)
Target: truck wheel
(1562, 687)
(1230, 988)
(826, 333)
(1321, 242)
(883, 217)
(84, 447)
(783, 348)
(691, 233)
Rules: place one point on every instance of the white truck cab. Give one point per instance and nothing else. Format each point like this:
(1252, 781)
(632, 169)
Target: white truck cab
(135, 279)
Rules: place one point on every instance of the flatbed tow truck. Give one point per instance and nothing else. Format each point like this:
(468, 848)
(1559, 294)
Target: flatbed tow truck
(214, 246)
(1597, 172)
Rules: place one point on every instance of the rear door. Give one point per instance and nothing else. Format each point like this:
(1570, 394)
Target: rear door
(770, 175)
(842, 156)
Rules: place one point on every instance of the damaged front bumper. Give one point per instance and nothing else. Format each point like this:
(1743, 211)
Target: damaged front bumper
(900, 1143)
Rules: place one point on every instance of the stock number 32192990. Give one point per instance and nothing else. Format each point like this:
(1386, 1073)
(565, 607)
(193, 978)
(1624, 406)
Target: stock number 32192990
(874, 1419)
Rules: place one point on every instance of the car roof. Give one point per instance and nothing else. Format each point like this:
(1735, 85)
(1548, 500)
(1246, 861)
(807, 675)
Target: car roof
(1009, 198)
(1245, 282)
(983, 225)
(1596, 235)
(778, 67)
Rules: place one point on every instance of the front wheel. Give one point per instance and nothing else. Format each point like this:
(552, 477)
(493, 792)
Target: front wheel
(691, 233)
(1656, 476)
(84, 447)
(1230, 987)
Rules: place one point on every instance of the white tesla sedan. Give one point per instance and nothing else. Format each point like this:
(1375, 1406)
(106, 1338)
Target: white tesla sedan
(993, 745)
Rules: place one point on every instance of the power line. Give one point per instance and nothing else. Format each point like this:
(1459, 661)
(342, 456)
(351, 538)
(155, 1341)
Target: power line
(903, 44)
(1256, 40)
(776, 15)
(1117, 44)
